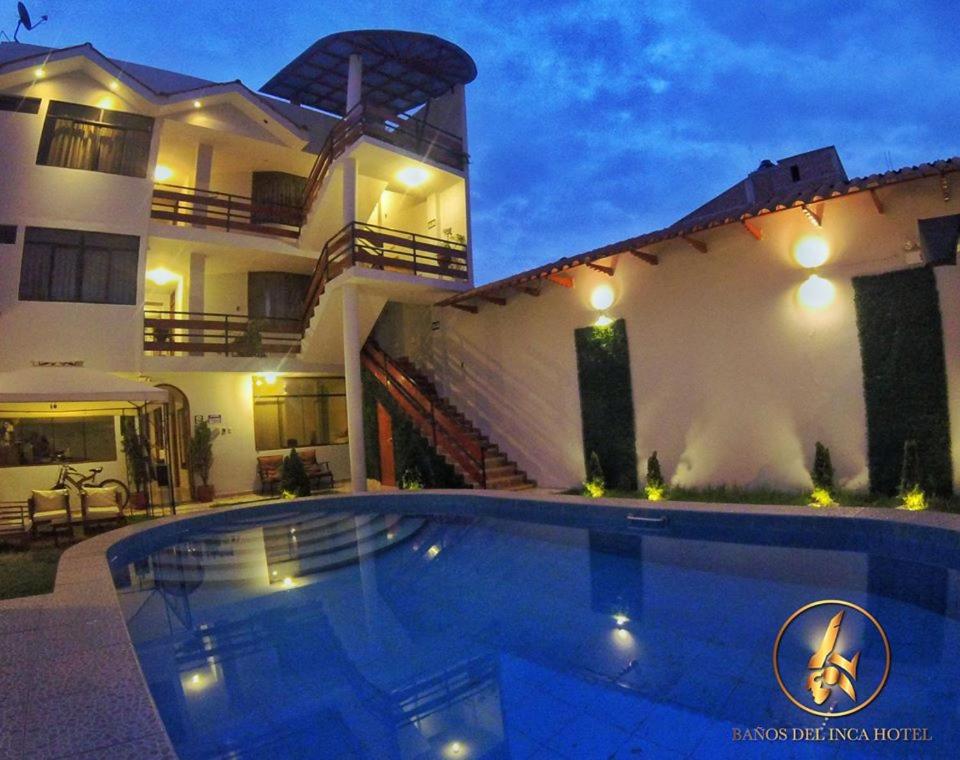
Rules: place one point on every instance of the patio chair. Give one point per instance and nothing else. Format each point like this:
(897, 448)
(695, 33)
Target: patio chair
(101, 507)
(268, 471)
(14, 522)
(50, 511)
(318, 472)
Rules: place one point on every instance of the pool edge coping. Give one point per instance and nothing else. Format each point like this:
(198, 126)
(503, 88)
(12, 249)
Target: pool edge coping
(84, 596)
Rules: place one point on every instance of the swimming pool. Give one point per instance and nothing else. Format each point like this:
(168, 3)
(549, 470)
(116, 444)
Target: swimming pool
(459, 627)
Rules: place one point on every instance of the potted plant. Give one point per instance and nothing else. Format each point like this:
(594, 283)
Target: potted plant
(200, 459)
(251, 342)
(137, 448)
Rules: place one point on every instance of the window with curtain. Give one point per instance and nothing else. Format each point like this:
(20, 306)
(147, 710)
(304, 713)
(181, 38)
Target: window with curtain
(83, 267)
(275, 196)
(299, 411)
(96, 139)
(277, 295)
(28, 440)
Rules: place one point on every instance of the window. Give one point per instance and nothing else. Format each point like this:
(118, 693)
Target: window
(19, 104)
(30, 440)
(275, 196)
(276, 295)
(81, 137)
(299, 411)
(8, 234)
(795, 172)
(84, 267)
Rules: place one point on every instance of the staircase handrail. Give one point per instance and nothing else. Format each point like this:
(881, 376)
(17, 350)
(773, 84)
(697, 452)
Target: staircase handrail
(468, 453)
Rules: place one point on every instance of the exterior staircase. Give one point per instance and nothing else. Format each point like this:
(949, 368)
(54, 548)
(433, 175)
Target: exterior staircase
(478, 460)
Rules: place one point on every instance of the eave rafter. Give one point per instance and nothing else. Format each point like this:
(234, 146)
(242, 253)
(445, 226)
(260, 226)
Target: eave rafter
(752, 228)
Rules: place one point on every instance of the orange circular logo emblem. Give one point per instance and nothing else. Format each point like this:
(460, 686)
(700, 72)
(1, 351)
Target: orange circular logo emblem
(831, 658)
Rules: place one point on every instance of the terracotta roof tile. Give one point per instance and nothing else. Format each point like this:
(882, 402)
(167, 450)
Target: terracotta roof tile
(771, 205)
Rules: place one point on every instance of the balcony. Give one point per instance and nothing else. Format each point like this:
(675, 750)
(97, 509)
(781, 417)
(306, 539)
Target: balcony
(173, 333)
(385, 249)
(405, 132)
(226, 211)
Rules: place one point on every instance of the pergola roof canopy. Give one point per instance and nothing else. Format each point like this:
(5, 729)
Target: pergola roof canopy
(401, 70)
(73, 384)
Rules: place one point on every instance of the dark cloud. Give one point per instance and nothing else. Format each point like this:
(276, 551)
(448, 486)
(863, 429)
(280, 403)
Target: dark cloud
(597, 120)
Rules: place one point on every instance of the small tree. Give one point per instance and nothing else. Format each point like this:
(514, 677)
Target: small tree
(411, 479)
(822, 474)
(910, 475)
(200, 451)
(595, 484)
(137, 448)
(655, 487)
(294, 480)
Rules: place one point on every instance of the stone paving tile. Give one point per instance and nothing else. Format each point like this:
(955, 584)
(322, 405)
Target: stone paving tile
(89, 720)
(154, 746)
(22, 614)
(85, 671)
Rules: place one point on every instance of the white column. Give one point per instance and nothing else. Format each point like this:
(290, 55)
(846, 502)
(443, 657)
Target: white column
(462, 106)
(198, 267)
(204, 166)
(349, 190)
(354, 82)
(351, 367)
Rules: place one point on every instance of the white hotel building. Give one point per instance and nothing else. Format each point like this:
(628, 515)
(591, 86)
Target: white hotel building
(240, 249)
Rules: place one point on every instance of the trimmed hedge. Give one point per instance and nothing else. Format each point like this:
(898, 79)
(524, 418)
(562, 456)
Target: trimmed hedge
(606, 402)
(410, 449)
(904, 377)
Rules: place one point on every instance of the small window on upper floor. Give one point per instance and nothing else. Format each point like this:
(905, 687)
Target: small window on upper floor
(8, 234)
(96, 139)
(81, 267)
(19, 104)
(795, 172)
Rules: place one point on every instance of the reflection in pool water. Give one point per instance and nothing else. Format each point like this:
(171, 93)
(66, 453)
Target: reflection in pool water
(341, 635)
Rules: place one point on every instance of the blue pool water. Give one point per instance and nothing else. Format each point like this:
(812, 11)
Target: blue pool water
(295, 632)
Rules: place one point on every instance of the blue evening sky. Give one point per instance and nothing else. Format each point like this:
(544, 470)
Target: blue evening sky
(595, 121)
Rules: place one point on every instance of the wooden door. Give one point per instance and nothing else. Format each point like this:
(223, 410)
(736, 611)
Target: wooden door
(388, 468)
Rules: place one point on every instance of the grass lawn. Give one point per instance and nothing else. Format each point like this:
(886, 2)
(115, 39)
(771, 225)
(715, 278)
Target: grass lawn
(27, 572)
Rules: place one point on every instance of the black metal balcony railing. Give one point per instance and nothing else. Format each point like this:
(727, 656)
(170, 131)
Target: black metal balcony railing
(234, 213)
(190, 332)
(385, 249)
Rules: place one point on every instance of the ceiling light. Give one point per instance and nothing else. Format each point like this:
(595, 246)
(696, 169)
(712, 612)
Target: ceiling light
(161, 276)
(114, 84)
(162, 173)
(39, 73)
(197, 104)
(413, 176)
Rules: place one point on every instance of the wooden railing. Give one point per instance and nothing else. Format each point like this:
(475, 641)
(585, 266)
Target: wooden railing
(406, 132)
(444, 433)
(375, 247)
(207, 208)
(190, 332)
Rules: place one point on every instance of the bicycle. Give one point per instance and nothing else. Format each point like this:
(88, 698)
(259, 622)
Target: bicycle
(70, 476)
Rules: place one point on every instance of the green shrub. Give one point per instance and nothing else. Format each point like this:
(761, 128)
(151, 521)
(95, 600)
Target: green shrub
(294, 480)
(411, 480)
(822, 474)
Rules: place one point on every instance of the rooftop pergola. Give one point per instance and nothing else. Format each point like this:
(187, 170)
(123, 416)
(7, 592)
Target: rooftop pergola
(401, 70)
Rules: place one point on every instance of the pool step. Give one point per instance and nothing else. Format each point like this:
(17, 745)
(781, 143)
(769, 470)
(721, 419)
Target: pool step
(461, 443)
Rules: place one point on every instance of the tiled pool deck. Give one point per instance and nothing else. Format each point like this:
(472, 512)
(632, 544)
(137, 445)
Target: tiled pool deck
(70, 682)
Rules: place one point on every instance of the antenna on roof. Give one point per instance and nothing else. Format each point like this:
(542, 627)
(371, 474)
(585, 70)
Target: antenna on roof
(25, 21)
